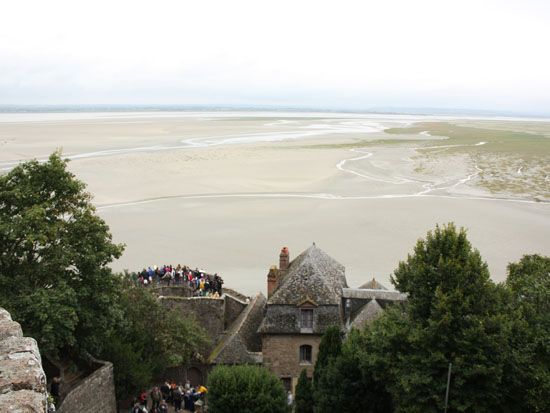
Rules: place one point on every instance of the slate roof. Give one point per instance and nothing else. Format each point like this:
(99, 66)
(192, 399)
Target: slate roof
(373, 285)
(368, 313)
(241, 343)
(314, 275)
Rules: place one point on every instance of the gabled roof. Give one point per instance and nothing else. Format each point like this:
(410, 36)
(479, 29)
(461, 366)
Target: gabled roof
(312, 274)
(373, 285)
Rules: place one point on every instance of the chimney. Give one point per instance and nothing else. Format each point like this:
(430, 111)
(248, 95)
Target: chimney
(284, 259)
(272, 280)
(275, 274)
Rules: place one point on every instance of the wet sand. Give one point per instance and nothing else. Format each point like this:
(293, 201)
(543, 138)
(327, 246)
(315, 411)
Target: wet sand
(225, 192)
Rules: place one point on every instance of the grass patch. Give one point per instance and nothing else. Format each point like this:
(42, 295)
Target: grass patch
(498, 141)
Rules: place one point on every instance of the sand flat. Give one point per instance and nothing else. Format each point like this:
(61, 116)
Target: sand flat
(224, 191)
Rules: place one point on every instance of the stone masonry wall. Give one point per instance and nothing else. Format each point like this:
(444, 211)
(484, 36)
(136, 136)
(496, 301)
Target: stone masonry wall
(208, 311)
(22, 379)
(281, 354)
(96, 393)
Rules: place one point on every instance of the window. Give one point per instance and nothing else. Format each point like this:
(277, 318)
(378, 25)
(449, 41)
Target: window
(307, 319)
(305, 354)
(287, 383)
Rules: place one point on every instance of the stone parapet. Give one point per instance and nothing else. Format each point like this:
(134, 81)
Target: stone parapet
(22, 379)
(96, 393)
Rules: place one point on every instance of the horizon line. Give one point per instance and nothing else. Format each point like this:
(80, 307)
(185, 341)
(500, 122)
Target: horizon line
(382, 110)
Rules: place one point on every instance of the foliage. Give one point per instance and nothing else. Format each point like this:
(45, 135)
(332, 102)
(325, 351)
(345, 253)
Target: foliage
(330, 347)
(454, 314)
(54, 280)
(323, 387)
(496, 337)
(347, 383)
(304, 394)
(54, 252)
(245, 389)
(354, 381)
(529, 364)
(148, 339)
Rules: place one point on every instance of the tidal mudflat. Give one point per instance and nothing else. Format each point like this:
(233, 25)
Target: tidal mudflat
(225, 190)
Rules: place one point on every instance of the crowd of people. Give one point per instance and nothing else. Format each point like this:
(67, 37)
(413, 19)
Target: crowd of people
(180, 397)
(202, 284)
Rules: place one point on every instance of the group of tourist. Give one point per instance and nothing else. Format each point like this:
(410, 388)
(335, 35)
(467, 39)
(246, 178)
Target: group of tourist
(202, 284)
(169, 393)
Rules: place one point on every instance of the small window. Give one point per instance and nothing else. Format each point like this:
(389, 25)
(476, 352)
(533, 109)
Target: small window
(305, 354)
(287, 383)
(307, 319)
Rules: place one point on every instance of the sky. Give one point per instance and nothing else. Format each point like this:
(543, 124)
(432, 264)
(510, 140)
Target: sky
(471, 54)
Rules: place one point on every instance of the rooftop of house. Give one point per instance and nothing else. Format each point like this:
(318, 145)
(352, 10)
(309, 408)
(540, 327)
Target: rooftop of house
(313, 275)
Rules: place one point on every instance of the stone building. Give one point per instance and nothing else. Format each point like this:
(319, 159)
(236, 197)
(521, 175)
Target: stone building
(282, 332)
(304, 299)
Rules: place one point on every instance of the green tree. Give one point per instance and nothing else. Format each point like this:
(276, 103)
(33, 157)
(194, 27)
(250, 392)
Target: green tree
(148, 339)
(529, 365)
(54, 252)
(355, 385)
(54, 279)
(454, 314)
(245, 389)
(330, 348)
(304, 394)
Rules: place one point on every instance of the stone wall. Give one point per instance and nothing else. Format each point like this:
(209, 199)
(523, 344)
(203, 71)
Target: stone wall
(208, 311)
(281, 354)
(22, 379)
(96, 393)
(181, 290)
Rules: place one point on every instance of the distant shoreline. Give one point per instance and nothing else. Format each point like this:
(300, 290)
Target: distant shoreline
(95, 108)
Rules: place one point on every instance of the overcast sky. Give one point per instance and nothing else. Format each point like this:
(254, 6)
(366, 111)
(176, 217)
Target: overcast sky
(477, 54)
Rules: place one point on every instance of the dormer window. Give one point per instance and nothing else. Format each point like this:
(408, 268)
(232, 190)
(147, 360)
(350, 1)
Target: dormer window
(306, 319)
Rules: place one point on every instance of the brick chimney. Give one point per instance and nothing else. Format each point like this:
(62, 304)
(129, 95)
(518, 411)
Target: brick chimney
(284, 259)
(276, 274)
(272, 280)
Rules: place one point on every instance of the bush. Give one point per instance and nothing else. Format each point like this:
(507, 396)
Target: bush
(245, 389)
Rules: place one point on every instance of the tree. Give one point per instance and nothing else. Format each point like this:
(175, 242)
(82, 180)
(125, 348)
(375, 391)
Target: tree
(529, 284)
(330, 347)
(454, 314)
(355, 385)
(54, 279)
(245, 389)
(54, 252)
(347, 383)
(304, 394)
(323, 387)
(148, 339)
